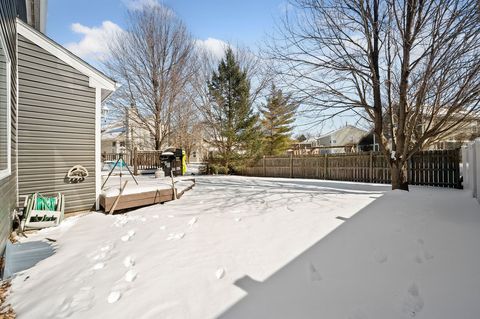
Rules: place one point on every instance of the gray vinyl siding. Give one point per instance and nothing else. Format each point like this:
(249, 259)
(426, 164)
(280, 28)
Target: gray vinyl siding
(56, 127)
(8, 185)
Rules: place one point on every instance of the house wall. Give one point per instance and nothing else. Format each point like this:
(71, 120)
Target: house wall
(107, 147)
(56, 127)
(8, 185)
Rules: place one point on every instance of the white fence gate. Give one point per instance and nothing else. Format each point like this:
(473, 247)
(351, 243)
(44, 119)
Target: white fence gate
(471, 167)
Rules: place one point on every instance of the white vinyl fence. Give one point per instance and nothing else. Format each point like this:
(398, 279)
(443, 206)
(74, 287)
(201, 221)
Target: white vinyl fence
(471, 167)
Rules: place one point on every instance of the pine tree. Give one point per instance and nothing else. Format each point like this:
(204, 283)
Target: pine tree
(235, 125)
(278, 116)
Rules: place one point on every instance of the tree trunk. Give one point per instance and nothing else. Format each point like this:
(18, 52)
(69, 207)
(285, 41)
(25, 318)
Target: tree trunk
(399, 174)
(158, 144)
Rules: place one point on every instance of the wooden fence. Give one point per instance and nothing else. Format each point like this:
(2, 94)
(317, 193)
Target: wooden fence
(433, 168)
(137, 160)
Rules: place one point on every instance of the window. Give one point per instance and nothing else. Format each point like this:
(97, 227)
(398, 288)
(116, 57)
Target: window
(5, 125)
(474, 127)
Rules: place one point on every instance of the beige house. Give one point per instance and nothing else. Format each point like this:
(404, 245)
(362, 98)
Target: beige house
(342, 140)
(467, 131)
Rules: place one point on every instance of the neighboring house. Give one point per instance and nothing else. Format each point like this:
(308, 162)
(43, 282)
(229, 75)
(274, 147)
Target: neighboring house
(113, 140)
(118, 137)
(122, 136)
(467, 131)
(347, 136)
(50, 114)
(342, 140)
(304, 147)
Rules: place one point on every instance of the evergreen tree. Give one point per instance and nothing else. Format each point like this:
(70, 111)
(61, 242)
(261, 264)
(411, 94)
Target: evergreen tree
(278, 116)
(233, 121)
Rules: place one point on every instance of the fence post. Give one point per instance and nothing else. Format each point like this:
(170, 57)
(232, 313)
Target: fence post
(264, 167)
(135, 165)
(318, 166)
(371, 167)
(291, 165)
(458, 182)
(325, 173)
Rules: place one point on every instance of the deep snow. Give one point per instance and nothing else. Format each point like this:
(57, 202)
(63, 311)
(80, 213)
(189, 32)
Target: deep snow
(242, 247)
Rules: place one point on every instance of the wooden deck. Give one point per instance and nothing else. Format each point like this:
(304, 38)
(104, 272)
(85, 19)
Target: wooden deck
(147, 198)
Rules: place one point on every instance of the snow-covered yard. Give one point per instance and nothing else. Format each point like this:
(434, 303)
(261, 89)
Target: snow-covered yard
(265, 248)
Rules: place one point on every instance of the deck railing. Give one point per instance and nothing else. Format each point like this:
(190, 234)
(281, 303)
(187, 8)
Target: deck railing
(137, 160)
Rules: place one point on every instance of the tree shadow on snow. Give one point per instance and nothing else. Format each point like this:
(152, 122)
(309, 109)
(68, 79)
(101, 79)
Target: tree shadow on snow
(267, 194)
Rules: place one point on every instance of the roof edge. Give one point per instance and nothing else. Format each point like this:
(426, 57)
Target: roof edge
(96, 77)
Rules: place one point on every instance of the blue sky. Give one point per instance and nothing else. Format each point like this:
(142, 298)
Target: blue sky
(81, 26)
(238, 22)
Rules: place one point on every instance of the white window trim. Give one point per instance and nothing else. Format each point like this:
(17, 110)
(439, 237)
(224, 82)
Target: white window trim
(8, 171)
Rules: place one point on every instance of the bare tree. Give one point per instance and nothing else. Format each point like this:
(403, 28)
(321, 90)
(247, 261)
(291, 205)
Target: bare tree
(410, 68)
(153, 60)
(189, 130)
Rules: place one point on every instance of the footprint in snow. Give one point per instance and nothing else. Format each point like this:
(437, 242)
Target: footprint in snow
(120, 221)
(100, 256)
(380, 257)
(193, 221)
(238, 219)
(102, 253)
(131, 275)
(220, 273)
(313, 272)
(81, 301)
(128, 236)
(106, 248)
(422, 256)
(98, 266)
(129, 262)
(413, 302)
(176, 236)
(114, 296)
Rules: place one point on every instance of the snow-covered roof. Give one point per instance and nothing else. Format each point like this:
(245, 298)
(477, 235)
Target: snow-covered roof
(111, 136)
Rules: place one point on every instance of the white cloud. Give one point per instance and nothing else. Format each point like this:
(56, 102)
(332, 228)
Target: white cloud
(215, 46)
(94, 42)
(140, 4)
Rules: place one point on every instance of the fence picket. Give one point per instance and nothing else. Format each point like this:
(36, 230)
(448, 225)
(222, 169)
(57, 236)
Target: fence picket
(433, 168)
